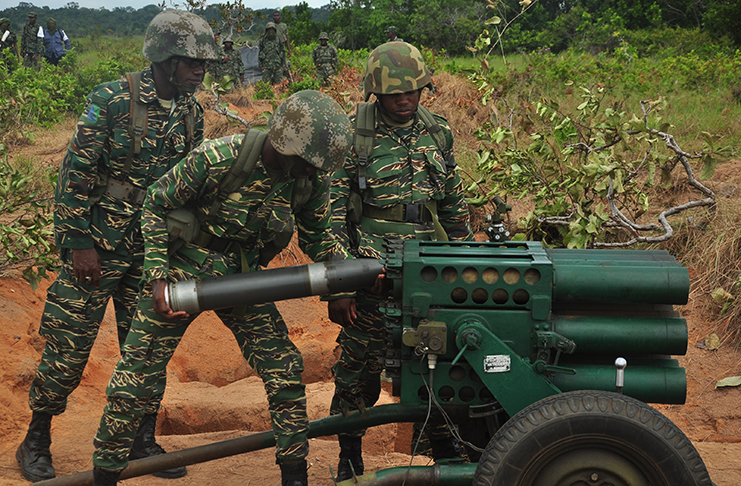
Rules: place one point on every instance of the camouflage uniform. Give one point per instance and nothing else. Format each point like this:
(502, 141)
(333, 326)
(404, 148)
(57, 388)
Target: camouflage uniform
(272, 57)
(216, 68)
(243, 223)
(32, 45)
(234, 66)
(98, 203)
(8, 40)
(97, 153)
(410, 183)
(325, 60)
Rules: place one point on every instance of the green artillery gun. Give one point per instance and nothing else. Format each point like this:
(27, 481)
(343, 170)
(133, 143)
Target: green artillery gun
(542, 358)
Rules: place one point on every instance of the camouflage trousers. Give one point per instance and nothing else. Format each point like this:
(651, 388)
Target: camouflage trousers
(70, 323)
(262, 336)
(324, 72)
(357, 374)
(273, 73)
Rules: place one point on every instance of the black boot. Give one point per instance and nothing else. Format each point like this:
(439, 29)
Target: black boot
(294, 473)
(351, 452)
(33, 454)
(105, 478)
(145, 445)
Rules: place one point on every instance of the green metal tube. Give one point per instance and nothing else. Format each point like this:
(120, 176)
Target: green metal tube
(563, 255)
(656, 384)
(624, 335)
(437, 475)
(331, 425)
(625, 283)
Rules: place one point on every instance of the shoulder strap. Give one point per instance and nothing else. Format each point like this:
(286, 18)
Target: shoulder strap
(240, 169)
(138, 119)
(437, 134)
(364, 137)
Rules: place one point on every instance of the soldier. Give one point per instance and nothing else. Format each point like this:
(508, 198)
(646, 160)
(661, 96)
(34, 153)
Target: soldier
(32, 42)
(391, 34)
(282, 32)
(103, 179)
(8, 40)
(325, 59)
(272, 57)
(407, 188)
(233, 64)
(308, 137)
(56, 42)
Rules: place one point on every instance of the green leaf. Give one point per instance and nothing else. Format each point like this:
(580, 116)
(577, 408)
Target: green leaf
(493, 21)
(729, 381)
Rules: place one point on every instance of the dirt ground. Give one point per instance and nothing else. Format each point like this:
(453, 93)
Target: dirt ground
(213, 395)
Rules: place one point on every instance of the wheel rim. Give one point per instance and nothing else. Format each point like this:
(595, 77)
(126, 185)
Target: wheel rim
(589, 462)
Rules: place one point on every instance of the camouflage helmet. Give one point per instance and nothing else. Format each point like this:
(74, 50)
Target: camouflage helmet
(311, 125)
(270, 25)
(323, 36)
(32, 14)
(4, 20)
(179, 33)
(390, 28)
(393, 68)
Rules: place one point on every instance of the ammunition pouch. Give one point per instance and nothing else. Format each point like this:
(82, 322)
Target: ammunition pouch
(354, 207)
(182, 224)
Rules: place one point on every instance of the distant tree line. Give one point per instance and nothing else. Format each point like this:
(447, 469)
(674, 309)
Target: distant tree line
(448, 25)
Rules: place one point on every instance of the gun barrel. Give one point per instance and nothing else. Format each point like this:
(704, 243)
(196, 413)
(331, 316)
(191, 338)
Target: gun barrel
(271, 285)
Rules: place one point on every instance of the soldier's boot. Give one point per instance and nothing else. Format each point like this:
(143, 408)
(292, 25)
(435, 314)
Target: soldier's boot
(33, 454)
(294, 473)
(351, 457)
(446, 448)
(102, 477)
(145, 445)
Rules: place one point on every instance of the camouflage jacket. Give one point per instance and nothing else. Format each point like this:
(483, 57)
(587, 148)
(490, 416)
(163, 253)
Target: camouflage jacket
(98, 151)
(9, 41)
(281, 31)
(31, 43)
(405, 167)
(272, 53)
(234, 66)
(325, 55)
(250, 216)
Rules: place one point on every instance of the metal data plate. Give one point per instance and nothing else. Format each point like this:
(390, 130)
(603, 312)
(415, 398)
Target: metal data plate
(497, 363)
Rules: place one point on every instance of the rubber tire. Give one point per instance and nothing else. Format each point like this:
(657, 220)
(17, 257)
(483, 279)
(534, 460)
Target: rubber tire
(563, 439)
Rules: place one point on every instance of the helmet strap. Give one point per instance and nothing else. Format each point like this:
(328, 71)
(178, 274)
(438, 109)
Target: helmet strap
(169, 69)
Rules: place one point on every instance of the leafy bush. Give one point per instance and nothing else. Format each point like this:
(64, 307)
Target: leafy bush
(25, 234)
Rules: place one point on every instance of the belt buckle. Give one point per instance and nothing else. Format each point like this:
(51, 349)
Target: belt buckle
(411, 211)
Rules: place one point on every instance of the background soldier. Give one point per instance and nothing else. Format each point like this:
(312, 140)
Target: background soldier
(32, 42)
(325, 59)
(272, 57)
(56, 43)
(391, 34)
(102, 183)
(408, 189)
(233, 64)
(282, 32)
(309, 133)
(8, 40)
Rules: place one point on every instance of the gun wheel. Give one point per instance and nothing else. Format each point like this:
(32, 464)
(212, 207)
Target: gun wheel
(590, 438)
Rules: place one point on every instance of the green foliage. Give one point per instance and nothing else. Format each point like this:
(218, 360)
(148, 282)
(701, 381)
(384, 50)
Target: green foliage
(263, 91)
(25, 235)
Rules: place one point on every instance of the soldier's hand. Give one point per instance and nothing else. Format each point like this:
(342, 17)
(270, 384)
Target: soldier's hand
(86, 266)
(160, 304)
(342, 311)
